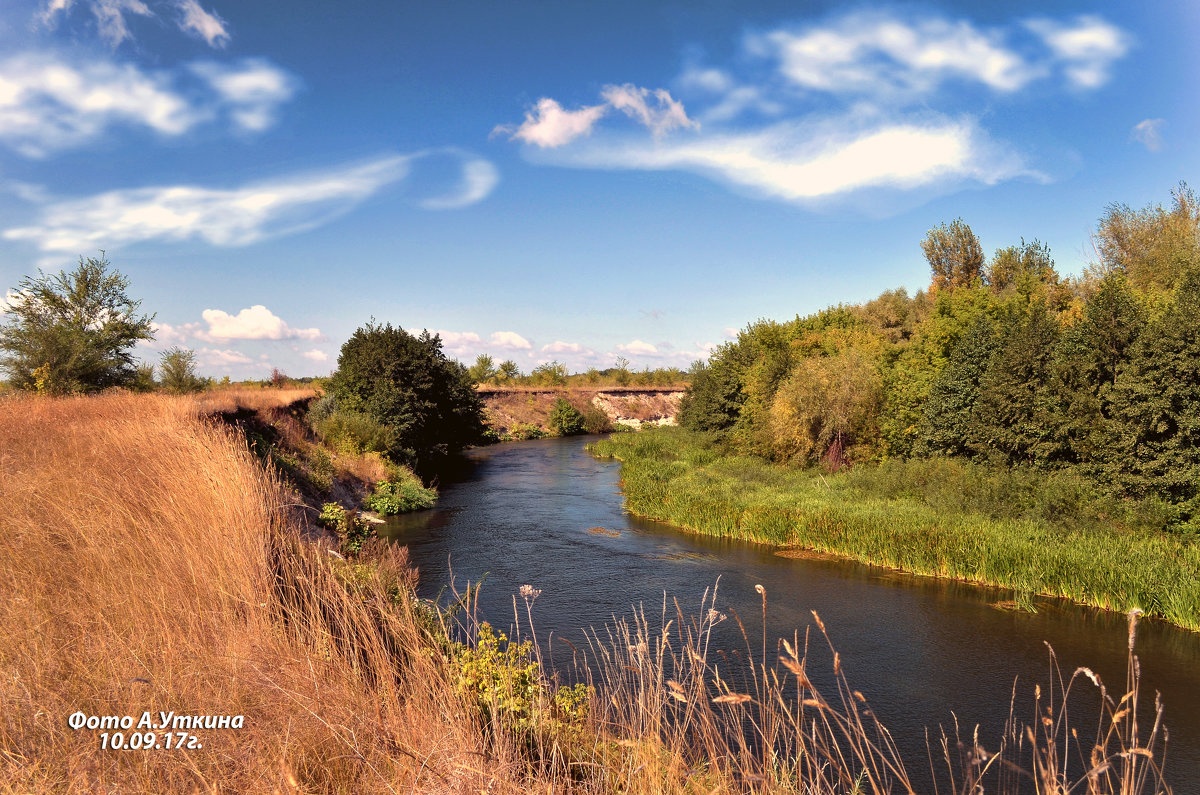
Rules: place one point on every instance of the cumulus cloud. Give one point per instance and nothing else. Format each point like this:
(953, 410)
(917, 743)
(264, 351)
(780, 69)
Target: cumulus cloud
(316, 355)
(215, 357)
(110, 17)
(252, 323)
(549, 126)
(1148, 132)
(638, 348)
(559, 346)
(510, 340)
(48, 103)
(219, 216)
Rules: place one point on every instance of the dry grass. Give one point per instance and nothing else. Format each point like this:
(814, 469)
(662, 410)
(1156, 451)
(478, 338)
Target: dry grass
(146, 566)
(149, 564)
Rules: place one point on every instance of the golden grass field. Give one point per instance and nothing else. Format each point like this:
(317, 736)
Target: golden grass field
(148, 562)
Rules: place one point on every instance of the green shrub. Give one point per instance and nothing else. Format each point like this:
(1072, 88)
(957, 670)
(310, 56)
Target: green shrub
(353, 433)
(520, 431)
(595, 420)
(564, 419)
(400, 496)
(348, 526)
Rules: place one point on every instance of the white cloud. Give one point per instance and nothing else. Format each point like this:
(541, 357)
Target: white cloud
(1149, 133)
(563, 347)
(167, 335)
(215, 357)
(730, 333)
(10, 300)
(251, 90)
(479, 178)
(110, 18)
(316, 355)
(253, 323)
(48, 103)
(797, 162)
(638, 348)
(204, 24)
(220, 216)
(510, 340)
(877, 53)
(1086, 47)
(548, 125)
(656, 110)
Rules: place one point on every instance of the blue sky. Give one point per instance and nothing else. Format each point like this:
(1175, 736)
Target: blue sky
(560, 180)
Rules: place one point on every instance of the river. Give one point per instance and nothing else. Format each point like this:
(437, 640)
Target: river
(921, 650)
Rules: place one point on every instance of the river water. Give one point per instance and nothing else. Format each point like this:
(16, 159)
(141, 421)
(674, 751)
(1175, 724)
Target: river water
(919, 649)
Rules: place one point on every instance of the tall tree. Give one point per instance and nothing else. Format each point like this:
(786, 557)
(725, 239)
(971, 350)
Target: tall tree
(1154, 246)
(406, 383)
(73, 332)
(954, 254)
(949, 415)
(1155, 439)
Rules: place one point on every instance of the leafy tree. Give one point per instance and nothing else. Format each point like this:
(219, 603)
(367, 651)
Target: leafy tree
(549, 374)
(483, 370)
(509, 371)
(954, 254)
(714, 398)
(1084, 372)
(178, 367)
(949, 412)
(1155, 247)
(1009, 425)
(1155, 439)
(406, 384)
(622, 374)
(564, 419)
(826, 406)
(73, 332)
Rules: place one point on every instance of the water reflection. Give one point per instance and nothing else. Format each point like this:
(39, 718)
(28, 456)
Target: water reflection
(920, 649)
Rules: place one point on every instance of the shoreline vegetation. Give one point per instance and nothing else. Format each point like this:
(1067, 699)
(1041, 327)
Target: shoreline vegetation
(1035, 534)
(154, 562)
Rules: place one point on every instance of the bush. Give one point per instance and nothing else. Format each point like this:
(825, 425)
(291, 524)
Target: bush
(400, 496)
(595, 420)
(178, 366)
(353, 433)
(348, 526)
(564, 419)
(405, 384)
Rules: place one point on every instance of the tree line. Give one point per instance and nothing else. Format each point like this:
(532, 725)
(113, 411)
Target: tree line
(1001, 361)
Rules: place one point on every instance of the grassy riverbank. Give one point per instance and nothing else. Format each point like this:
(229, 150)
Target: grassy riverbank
(151, 562)
(1029, 532)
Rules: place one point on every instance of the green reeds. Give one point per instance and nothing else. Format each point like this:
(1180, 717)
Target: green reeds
(682, 478)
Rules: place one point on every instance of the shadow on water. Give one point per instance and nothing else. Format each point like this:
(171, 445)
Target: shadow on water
(921, 650)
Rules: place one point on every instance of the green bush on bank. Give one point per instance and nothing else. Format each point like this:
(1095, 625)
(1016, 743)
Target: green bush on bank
(1011, 529)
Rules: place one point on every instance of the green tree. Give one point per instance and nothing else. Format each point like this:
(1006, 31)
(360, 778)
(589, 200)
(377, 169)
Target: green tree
(1154, 446)
(714, 398)
(484, 369)
(1010, 426)
(509, 371)
(1154, 246)
(178, 367)
(622, 374)
(949, 412)
(405, 383)
(564, 419)
(954, 254)
(76, 330)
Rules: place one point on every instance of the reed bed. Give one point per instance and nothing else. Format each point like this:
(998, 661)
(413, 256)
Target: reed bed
(681, 478)
(150, 563)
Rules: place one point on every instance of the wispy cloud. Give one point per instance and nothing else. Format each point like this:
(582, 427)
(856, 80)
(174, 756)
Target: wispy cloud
(220, 216)
(217, 357)
(558, 346)
(110, 18)
(1148, 132)
(880, 77)
(548, 125)
(804, 162)
(252, 323)
(48, 103)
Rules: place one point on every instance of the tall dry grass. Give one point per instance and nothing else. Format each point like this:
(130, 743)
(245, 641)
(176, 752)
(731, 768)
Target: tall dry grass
(148, 563)
(145, 564)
